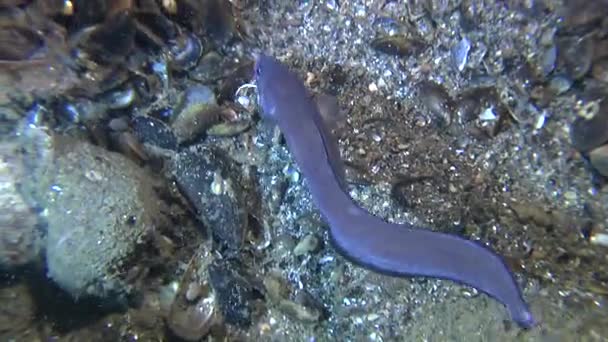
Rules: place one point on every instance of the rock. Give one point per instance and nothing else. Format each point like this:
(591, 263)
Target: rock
(100, 207)
(17, 315)
(20, 241)
(308, 244)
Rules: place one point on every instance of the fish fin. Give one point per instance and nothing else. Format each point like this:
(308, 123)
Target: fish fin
(330, 115)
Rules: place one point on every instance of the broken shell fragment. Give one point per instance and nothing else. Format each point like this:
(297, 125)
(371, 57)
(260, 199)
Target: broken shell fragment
(488, 114)
(599, 159)
(192, 318)
(397, 45)
(307, 245)
(437, 101)
(599, 239)
(460, 53)
(560, 84)
(547, 60)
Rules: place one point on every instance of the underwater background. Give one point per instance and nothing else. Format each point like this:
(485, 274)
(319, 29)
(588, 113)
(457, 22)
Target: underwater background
(144, 198)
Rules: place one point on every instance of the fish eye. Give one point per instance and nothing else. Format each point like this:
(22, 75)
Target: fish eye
(258, 70)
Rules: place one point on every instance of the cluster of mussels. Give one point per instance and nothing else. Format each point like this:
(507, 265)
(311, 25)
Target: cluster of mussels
(584, 47)
(88, 60)
(126, 75)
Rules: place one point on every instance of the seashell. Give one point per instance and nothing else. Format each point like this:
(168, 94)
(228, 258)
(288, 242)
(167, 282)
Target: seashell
(560, 84)
(228, 129)
(19, 43)
(120, 98)
(600, 70)
(437, 100)
(189, 319)
(547, 60)
(195, 111)
(154, 29)
(82, 110)
(471, 103)
(575, 55)
(154, 132)
(109, 42)
(599, 159)
(397, 45)
(588, 132)
(460, 53)
(186, 52)
(387, 25)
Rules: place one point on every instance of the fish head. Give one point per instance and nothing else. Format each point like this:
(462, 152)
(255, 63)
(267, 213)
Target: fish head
(277, 87)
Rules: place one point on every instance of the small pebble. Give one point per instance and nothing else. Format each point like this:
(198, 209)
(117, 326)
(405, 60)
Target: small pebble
(299, 312)
(118, 124)
(488, 114)
(292, 173)
(372, 317)
(600, 239)
(560, 84)
(243, 101)
(540, 121)
(217, 186)
(193, 292)
(570, 195)
(283, 244)
(308, 244)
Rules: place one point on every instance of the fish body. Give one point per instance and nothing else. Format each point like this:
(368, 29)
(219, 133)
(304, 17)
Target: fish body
(394, 249)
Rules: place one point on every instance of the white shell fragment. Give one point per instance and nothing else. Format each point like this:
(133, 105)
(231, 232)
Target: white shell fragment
(600, 239)
(460, 53)
(540, 121)
(488, 114)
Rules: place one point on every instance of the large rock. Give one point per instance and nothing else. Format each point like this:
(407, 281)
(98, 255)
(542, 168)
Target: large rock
(100, 206)
(20, 241)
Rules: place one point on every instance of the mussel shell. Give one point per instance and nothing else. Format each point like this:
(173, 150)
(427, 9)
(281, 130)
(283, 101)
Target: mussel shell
(186, 52)
(575, 55)
(398, 45)
(437, 101)
(588, 133)
(18, 43)
(154, 132)
(599, 159)
(111, 41)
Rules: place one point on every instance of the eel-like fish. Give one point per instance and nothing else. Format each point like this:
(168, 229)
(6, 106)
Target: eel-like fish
(393, 249)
